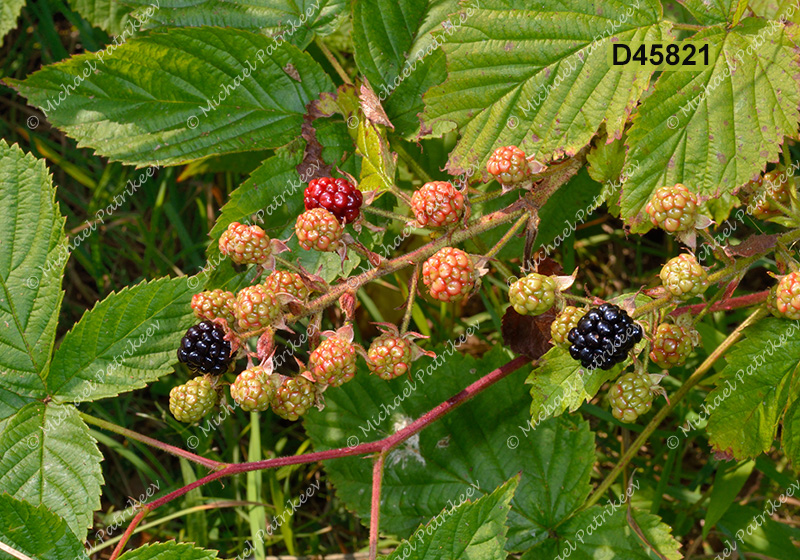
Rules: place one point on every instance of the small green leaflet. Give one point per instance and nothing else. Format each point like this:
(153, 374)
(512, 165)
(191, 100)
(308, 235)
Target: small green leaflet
(48, 457)
(169, 551)
(37, 532)
(33, 255)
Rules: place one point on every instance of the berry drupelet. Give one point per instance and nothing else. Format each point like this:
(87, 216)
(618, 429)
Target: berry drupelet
(337, 196)
(603, 337)
(204, 348)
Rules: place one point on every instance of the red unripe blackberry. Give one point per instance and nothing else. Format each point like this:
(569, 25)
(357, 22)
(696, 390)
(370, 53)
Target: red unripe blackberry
(293, 397)
(787, 296)
(245, 244)
(533, 295)
(671, 346)
(337, 196)
(437, 204)
(281, 281)
(771, 187)
(389, 356)
(631, 396)
(256, 308)
(449, 274)
(318, 229)
(333, 362)
(508, 164)
(603, 337)
(204, 348)
(673, 208)
(252, 389)
(193, 400)
(565, 322)
(683, 277)
(212, 304)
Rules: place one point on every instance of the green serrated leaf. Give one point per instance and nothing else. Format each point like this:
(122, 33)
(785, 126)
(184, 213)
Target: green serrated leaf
(465, 530)
(169, 551)
(9, 13)
(560, 384)
(296, 21)
(380, 163)
(727, 485)
(397, 47)
(48, 457)
(790, 437)
(173, 97)
(775, 9)
(714, 130)
(33, 253)
(751, 529)
(753, 390)
(534, 77)
(710, 12)
(606, 160)
(604, 532)
(37, 532)
(126, 341)
(108, 15)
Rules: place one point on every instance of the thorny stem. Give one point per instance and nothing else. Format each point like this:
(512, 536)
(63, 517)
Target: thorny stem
(476, 227)
(171, 449)
(375, 507)
(382, 446)
(412, 293)
(671, 404)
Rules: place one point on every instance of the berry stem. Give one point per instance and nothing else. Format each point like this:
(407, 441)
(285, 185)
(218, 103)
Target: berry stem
(333, 61)
(725, 305)
(662, 414)
(171, 449)
(415, 167)
(481, 225)
(382, 446)
(375, 506)
(518, 225)
(412, 294)
(385, 213)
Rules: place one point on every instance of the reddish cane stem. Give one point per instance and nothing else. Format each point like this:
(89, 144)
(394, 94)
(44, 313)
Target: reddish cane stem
(382, 446)
(375, 510)
(727, 304)
(128, 532)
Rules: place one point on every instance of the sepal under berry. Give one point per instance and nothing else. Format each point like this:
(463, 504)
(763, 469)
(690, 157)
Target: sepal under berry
(193, 400)
(391, 354)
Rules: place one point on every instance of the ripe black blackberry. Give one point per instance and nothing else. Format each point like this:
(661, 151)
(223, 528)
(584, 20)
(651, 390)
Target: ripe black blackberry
(204, 349)
(603, 337)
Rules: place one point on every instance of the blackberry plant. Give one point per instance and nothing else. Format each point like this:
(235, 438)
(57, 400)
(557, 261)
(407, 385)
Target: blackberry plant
(420, 272)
